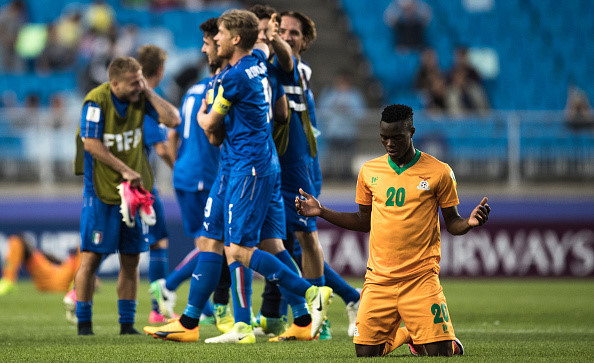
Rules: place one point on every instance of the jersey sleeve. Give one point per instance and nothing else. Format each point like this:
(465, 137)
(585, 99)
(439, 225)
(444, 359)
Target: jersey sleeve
(227, 92)
(258, 53)
(152, 132)
(364, 195)
(447, 195)
(92, 121)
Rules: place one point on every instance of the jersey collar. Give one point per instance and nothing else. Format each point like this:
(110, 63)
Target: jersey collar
(400, 170)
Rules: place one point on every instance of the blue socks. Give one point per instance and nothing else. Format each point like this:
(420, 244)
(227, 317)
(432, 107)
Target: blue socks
(158, 269)
(340, 287)
(84, 311)
(241, 292)
(127, 310)
(183, 271)
(204, 281)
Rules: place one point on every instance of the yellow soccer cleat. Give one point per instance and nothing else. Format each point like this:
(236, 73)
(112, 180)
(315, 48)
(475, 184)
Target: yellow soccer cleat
(294, 333)
(241, 333)
(7, 287)
(223, 318)
(173, 331)
(318, 299)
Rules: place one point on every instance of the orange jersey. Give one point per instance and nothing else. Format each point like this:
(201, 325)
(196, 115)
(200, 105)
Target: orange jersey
(404, 241)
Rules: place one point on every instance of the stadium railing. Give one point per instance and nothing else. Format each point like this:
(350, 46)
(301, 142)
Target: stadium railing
(511, 147)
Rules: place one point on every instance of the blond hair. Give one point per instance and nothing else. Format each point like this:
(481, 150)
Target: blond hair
(151, 58)
(243, 23)
(122, 65)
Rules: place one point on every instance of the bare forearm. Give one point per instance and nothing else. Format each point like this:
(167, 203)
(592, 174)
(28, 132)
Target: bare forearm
(458, 226)
(353, 221)
(165, 154)
(168, 114)
(283, 53)
(96, 148)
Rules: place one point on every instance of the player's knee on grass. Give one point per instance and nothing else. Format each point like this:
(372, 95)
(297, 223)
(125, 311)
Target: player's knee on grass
(443, 348)
(363, 350)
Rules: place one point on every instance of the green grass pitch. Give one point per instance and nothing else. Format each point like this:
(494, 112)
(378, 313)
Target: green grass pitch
(498, 320)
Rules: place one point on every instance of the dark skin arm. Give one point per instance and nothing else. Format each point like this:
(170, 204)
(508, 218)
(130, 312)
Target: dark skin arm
(309, 206)
(457, 225)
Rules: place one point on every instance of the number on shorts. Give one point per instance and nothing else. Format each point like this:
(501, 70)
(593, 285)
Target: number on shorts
(437, 311)
(230, 213)
(207, 207)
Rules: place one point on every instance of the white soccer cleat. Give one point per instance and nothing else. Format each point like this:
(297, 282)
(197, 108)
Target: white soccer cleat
(241, 333)
(352, 308)
(318, 299)
(165, 298)
(70, 306)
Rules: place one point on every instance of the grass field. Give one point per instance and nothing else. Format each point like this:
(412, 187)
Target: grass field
(498, 320)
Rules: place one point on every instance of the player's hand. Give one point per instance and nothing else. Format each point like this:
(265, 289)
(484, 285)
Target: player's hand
(144, 88)
(134, 178)
(202, 113)
(307, 205)
(272, 28)
(480, 214)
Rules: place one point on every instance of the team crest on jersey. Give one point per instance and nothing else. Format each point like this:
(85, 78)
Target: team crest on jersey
(97, 237)
(423, 184)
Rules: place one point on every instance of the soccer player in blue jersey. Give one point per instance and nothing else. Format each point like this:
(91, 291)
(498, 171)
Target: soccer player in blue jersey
(152, 59)
(109, 152)
(299, 160)
(193, 178)
(252, 183)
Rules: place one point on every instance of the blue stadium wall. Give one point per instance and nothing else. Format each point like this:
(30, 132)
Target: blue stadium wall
(544, 237)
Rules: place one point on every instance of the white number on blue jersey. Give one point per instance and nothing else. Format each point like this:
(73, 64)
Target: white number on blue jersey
(187, 113)
(267, 97)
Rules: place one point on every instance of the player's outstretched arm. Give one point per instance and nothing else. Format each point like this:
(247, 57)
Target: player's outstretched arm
(457, 225)
(100, 152)
(309, 206)
(168, 114)
(281, 48)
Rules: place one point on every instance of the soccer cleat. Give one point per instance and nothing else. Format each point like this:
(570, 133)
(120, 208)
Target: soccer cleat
(174, 331)
(129, 204)
(294, 333)
(207, 319)
(223, 318)
(69, 301)
(325, 331)
(458, 347)
(241, 333)
(165, 298)
(273, 326)
(7, 287)
(351, 310)
(146, 210)
(318, 299)
(85, 328)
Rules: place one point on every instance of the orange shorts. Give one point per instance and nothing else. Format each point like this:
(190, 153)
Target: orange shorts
(51, 277)
(418, 302)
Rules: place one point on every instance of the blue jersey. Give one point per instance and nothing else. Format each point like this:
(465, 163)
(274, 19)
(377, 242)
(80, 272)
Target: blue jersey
(300, 97)
(93, 128)
(197, 160)
(242, 96)
(152, 133)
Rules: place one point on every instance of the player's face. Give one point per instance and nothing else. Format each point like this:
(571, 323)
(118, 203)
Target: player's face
(209, 48)
(396, 138)
(129, 86)
(262, 26)
(290, 32)
(224, 41)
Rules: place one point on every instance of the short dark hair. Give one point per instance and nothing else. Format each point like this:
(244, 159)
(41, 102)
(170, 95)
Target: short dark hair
(308, 27)
(210, 27)
(398, 113)
(263, 11)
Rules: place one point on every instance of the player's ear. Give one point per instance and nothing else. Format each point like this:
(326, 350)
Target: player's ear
(236, 39)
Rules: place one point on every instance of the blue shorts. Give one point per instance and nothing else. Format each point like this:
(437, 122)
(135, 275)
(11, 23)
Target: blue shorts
(214, 216)
(103, 231)
(247, 202)
(158, 231)
(274, 224)
(192, 210)
(292, 178)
